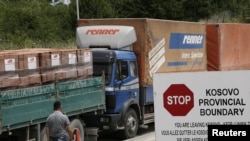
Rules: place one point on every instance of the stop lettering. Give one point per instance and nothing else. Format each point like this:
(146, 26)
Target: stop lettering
(178, 100)
(181, 99)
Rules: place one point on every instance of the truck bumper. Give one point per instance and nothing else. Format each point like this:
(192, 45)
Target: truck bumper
(110, 122)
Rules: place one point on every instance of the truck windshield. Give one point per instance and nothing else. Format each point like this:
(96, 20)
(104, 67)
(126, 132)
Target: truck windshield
(103, 67)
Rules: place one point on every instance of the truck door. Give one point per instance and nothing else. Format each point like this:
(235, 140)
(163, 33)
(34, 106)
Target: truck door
(127, 83)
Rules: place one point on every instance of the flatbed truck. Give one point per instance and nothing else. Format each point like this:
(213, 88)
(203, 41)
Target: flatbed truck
(23, 111)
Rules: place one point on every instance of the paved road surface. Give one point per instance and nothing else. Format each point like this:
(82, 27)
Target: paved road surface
(143, 135)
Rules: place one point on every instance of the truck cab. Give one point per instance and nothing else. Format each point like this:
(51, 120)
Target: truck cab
(113, 55)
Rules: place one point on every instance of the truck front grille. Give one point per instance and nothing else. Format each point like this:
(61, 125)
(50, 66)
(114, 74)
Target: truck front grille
(110, 102)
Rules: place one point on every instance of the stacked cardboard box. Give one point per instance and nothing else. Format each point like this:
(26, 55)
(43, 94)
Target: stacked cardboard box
(85, 63)
(50, 64)
(8, 70)
(26, 67)
(69, 62)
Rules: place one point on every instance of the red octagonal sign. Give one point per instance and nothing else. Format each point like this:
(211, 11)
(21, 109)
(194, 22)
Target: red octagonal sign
(178, 100)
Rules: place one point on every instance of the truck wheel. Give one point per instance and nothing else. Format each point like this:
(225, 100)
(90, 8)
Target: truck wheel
(77, 130)
(76, 127)
(131, 124)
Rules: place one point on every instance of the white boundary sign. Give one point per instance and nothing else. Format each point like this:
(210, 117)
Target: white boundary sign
(221, 97)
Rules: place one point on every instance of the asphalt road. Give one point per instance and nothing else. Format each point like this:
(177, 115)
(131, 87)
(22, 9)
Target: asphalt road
(150, 136)
(142, 135)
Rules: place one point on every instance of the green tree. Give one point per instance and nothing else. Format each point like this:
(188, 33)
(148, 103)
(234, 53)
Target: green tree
(36, 23)
(19, 24)
(30, 23)
(169, 9)
(195, 10)
(96, 9)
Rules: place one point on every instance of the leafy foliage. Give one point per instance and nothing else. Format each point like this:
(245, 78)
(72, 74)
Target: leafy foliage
(36, 23)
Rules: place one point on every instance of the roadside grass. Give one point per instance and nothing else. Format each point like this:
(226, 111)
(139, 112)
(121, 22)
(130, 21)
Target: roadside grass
(70, 44)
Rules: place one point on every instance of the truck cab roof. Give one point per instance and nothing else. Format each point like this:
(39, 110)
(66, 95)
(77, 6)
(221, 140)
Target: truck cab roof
(109, 36)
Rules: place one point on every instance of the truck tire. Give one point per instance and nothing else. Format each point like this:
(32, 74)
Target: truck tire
(77, 129)
(131, 124)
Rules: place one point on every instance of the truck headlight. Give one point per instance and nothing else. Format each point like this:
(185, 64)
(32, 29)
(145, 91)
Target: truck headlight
(104, 119)
(105, 127)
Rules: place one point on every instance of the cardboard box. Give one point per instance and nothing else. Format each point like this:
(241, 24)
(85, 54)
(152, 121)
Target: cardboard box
(45, 59)
(59, 75)
(10, 62)
(9, 82)
(85, 72)
(47, 77)
(2, 66)
(28, 61)
(50, 59)
(8, 70)
(69, 57)
(82, 72)
(39, 66)
(29, 77)
(52, 76)
(84, 56)
(71, 74)
(35, 79)
(24, 81)
(55, 58)
(90, 70)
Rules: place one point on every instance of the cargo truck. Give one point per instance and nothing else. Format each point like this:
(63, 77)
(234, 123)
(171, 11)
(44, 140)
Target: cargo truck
(26, 102)
(119, 95)
(130, 51)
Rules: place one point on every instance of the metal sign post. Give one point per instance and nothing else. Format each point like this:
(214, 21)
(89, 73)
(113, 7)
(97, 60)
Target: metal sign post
(77, 9)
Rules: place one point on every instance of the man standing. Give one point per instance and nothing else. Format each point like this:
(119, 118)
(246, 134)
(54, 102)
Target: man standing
(57, 125)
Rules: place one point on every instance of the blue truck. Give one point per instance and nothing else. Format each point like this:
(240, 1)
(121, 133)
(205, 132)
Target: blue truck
(129, 52)
(124, 109)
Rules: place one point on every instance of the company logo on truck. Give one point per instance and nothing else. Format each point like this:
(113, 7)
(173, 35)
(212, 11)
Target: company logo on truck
(186, 41)
(102, 31)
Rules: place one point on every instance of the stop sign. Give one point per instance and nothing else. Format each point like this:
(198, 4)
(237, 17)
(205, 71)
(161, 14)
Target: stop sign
(178, 99)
